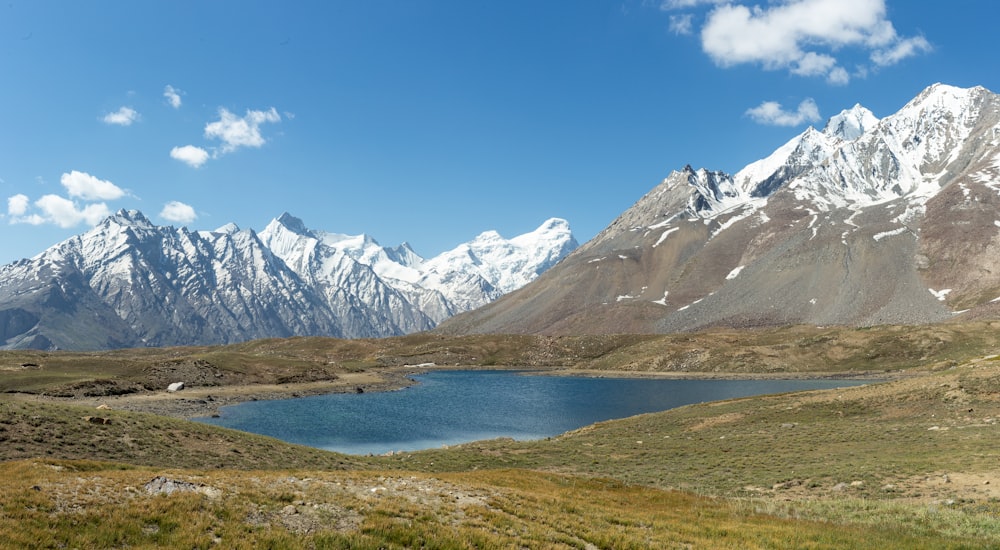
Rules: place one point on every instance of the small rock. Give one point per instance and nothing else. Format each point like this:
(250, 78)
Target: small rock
(176, 386)
(289, 510)
(840, 486)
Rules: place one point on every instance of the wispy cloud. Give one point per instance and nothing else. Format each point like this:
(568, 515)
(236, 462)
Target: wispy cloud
(680, 4)
(682, 24)
(236, 132)
(190, 155)
(122, 117)
(773, 114)
(804, 37)
(173, 96)
(178, 212)
(901, 50)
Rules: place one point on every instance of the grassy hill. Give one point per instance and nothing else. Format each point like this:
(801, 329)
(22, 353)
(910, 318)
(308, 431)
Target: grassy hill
(908, 463)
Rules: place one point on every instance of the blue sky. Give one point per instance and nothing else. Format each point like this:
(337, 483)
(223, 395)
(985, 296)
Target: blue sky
(432, 121)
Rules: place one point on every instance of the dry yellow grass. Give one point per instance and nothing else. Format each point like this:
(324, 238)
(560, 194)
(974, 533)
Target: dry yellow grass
(93, 505)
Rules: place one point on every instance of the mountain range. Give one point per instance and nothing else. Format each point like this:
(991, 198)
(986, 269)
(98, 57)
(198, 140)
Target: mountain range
(867, 221)
(130, 283)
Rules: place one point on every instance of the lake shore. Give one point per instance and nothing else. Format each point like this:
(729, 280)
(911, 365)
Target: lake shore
(204, 401)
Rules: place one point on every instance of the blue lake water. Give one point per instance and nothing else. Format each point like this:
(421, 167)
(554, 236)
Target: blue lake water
(451, 407)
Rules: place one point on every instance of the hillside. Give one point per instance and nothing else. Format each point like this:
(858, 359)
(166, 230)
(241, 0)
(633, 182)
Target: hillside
(866, 222)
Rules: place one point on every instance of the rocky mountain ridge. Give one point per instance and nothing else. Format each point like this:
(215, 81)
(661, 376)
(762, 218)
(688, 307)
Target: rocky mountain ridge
(867, 221)
(130, 283)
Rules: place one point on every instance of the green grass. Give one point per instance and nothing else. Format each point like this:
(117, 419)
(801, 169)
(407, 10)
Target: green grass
(88, 505)
(788, 350)
(910, 463)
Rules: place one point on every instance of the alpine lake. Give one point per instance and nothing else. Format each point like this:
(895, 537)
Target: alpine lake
(453, 407)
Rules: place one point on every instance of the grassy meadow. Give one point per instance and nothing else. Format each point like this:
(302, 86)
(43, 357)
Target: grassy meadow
(911, 462)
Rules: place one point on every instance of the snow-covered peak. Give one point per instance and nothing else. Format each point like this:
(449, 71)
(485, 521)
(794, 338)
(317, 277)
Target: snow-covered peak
(488, 262)
(552, 228)
(227, 229)
(128, 218)
(850, 124)
(293, 224)
(506, 264)
(944, 96)
(859, 159)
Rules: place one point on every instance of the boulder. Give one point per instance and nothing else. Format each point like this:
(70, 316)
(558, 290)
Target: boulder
(176, 386)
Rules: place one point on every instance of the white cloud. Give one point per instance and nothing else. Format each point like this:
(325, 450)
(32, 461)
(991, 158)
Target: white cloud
(87, 187)
(65, 213)
(682, 24)
(122, 117)
(190, 155)
(813, 64)
(17, 205)
(804, 37)
(772, 113)
(178, 212)
(666, 5)
(173, 96)
(236, 132)
(901, 50)
(838, 76)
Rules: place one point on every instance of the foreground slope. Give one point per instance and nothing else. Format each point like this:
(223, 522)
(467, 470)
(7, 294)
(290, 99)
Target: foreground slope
(865, 222)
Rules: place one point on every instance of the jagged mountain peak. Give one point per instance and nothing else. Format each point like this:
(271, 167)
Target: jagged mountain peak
(160, 285)
(293, 224)
(869, 221)
(227, 229)
(851, 123)
(128, 218)
(550, 225)
(939, 93)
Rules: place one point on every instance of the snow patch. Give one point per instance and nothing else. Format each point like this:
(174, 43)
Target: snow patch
(734, 273)
(892, 233)
(940, 294)
(663, 237)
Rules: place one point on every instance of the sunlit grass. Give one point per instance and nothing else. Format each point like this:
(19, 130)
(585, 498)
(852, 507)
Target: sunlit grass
(88, 505)
(856, 468)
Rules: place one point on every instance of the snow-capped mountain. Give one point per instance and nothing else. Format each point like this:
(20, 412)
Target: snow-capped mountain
(867, 221)
(128, 282)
